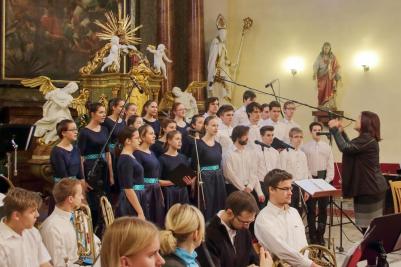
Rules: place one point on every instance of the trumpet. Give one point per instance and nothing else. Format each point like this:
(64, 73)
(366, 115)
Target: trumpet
(107, 211)
(85, 236)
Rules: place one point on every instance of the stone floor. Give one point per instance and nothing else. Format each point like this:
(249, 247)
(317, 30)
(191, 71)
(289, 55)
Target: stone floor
(350, 237)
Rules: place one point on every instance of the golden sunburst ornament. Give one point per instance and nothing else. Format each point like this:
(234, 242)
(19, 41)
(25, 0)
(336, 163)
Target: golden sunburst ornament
(118, 26)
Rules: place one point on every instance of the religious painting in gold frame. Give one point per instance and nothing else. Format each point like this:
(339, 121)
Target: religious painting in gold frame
(50, 38)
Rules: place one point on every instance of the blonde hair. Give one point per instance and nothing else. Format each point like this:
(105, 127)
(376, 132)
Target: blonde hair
(64, 188)
(19, 199)
(181, 221)
(127, 236)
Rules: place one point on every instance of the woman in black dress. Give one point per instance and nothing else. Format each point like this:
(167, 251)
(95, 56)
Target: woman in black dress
(167, 126)
(209, 163)
(149, 115)
(132, 198)
(195, 131)
(151, 166)
(362, 178)
(91, 140)
(65, 157)
(116, 105)
(168, 162)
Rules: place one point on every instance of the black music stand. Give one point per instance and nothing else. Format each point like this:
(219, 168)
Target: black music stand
(383, 236)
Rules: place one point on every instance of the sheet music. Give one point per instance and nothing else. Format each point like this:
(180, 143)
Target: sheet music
(313, 186)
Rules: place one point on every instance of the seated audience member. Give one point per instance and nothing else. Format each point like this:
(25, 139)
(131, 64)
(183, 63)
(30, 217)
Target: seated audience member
(240, 116)
(294, 161)
(228, 238)
(239, 166)
(20, 242)
(131, 242)
(279, 227)
(58, 232)
(223, 136)
(185, 230)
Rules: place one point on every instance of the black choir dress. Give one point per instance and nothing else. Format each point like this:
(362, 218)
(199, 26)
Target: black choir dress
(90, 144)
(154, 195)
(172, 194)
(214, 189)
(64, 164)
(155, 125)
(158, 148)
(185, 139)
(130, 174)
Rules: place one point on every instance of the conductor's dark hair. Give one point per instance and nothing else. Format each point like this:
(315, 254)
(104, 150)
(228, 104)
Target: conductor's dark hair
(370, 123)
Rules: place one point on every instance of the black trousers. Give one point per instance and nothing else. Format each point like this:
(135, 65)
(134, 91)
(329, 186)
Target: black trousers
(296, 200)
(317, 231)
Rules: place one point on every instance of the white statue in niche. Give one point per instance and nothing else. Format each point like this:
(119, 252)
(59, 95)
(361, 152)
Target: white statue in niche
(219, 65)
(187, 99)
(114, 54)
(159, 56)
(56, 107)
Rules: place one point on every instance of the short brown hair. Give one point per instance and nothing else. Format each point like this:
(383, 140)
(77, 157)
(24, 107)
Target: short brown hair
(62, 126)
(240, 201)
(295, 130)
(286, 104)
(19, 199)
(276, 176)
(266, 128)
(64, 188)
(315, 123)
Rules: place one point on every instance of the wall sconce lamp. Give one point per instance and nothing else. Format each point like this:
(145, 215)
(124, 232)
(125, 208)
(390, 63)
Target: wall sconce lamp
(366, 60)
(294, 64)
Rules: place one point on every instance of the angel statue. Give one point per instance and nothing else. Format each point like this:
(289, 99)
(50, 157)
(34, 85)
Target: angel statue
(158, 56)
(219, 64)
(114, 55)
(187, 99)
(56, 107)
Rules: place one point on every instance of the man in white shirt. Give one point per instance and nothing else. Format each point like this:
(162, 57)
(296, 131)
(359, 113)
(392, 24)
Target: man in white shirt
(288, 120)
(20, 242)
(240, 116)
(268, 158)
(294, 161)
(253, 111)
(265, 114)
(278, 227)
(211, 107)
(321, 165)
(57, 230)
(223, 136)
(274, 120)
(239, 165)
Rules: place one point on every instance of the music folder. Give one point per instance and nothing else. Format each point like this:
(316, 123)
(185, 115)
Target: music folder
(177, 174)
(317, 187)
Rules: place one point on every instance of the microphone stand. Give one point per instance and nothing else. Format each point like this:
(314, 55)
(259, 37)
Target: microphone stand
(199, 180)
(275, 96)
(333, 114)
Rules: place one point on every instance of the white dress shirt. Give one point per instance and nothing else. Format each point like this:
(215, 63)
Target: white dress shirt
(26, 250)
(254, 134)
(239, 169)
(280, 129)
(281, 231)
(289, 124)
(224, 137)
(320, 158)
(240, 117)
(267, 160)
(294, 161)
(59, 237)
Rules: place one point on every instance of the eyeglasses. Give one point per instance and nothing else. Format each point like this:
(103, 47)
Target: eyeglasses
(244, 222)
(287, 189)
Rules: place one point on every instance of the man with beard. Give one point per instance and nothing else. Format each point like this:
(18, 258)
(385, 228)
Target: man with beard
(239, 165)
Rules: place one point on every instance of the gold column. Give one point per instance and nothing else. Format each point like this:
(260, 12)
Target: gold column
(165, 35)
(196, 49)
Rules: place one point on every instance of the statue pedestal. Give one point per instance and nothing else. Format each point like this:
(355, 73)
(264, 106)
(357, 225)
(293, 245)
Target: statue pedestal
(324, 117)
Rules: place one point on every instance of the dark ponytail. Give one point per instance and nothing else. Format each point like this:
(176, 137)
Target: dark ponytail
(124, 134)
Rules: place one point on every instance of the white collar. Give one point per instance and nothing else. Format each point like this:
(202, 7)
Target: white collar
(66, 215)
(7, 232)
(277, 210)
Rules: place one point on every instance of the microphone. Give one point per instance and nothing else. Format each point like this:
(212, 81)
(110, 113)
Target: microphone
(323, 133)
(136, 84)
(261, 144)
(271, 83)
